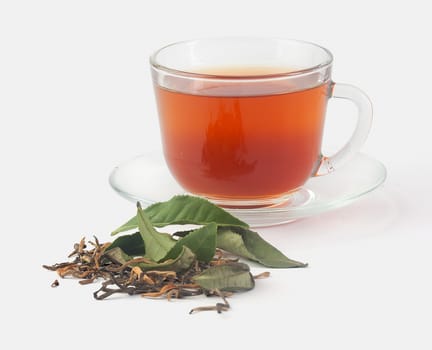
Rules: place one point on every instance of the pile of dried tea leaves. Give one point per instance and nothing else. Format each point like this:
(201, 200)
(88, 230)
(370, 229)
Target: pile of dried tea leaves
(153, 264)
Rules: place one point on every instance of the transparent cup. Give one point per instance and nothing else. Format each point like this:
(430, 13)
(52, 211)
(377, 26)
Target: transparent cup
(242, 119)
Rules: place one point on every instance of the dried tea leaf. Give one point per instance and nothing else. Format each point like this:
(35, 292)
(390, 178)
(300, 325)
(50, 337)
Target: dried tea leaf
(184, 210)
(230, 277)
(55, 284)
(157, 265)
(219, 307)
(250, 245)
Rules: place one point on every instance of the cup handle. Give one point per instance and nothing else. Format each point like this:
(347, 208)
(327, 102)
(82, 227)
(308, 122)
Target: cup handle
(361, 131)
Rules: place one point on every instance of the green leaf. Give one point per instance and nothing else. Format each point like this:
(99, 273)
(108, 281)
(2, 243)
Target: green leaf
(250, 245)
(131, 224)
(190, 210)
(157, 244)
(118, 255)
(201, 241)
(184, 210)
(132, 244)
(227, 277)
(182, 262)
(232, 242)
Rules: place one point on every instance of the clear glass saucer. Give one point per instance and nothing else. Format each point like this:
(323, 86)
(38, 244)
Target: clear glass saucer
(146, 178)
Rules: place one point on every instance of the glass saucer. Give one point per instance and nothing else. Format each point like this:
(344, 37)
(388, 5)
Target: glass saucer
(146, 178)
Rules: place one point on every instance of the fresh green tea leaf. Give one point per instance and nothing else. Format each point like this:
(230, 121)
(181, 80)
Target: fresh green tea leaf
(227, 277)
(250, 245)
(157, 244)
(232, 242)
(201, 241)
(190, 210)
(182, 262)
(132, 244)
(184, 210)
(117, 255)
(131, 224)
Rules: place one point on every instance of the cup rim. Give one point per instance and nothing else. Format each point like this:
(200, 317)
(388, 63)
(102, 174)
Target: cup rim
(156, 65)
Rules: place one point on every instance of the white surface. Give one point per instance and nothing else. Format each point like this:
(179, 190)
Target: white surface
(76, 99)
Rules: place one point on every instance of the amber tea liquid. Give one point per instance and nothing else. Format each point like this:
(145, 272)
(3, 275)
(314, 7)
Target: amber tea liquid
(241, 147)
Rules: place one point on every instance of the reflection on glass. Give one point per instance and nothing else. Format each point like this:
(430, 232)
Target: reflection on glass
(224, 151)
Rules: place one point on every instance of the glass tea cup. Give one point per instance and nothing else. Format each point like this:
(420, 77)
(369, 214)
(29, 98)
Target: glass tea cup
(242, 119)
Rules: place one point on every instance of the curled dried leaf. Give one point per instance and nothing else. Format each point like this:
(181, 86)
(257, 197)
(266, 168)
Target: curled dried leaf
(55, 284)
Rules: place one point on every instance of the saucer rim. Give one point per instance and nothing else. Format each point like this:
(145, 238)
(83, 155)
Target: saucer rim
(290, 213)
